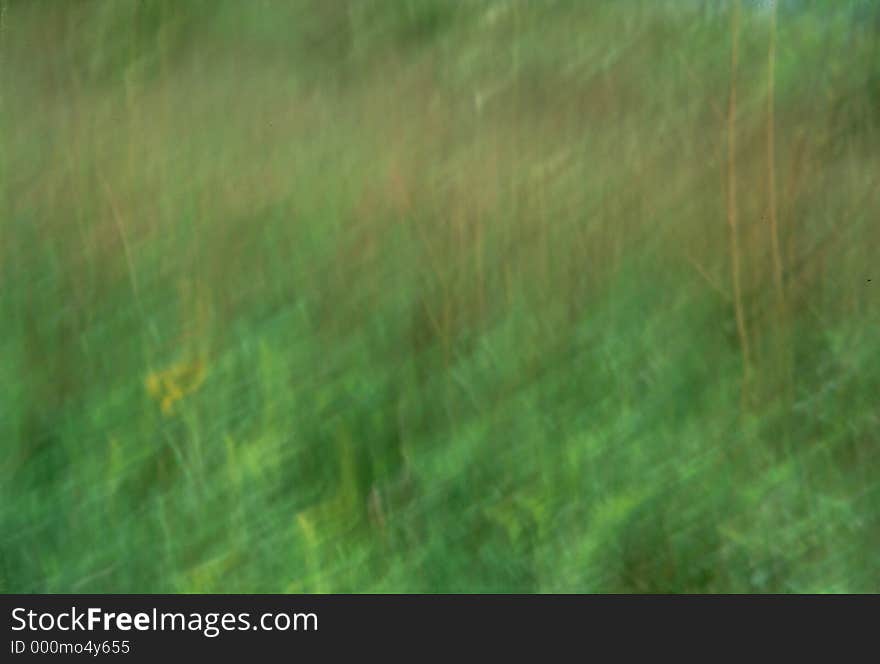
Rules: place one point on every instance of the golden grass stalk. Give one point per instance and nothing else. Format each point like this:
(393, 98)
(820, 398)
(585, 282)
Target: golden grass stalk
(771, 161)
(782, 354)
(732, 213)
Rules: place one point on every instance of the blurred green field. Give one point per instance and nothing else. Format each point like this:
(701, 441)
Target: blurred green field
(434, 296)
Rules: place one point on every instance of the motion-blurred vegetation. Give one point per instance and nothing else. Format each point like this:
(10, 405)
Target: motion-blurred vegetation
(423, 295)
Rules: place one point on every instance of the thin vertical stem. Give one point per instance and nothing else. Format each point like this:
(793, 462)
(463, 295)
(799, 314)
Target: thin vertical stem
(771, 160)
(732, 213)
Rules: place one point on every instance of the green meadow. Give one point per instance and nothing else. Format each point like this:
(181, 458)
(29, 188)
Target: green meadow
(433, 296)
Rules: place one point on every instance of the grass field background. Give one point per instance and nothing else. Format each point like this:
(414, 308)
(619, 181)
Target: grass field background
(426, 296)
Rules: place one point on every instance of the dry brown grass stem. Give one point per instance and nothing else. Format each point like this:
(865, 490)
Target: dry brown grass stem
(771, 162)
(732, 214)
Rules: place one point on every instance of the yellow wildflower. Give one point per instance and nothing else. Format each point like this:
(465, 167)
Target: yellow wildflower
(170, 385)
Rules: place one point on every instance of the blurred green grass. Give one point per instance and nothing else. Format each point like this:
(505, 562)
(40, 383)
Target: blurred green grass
(427, 296)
